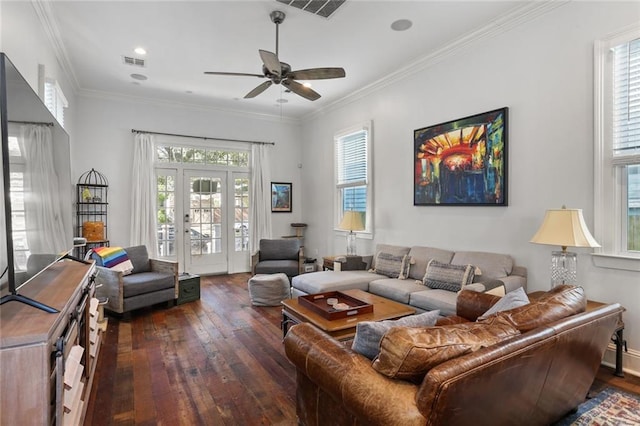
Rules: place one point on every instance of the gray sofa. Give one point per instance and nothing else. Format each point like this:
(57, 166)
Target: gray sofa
(495, 273)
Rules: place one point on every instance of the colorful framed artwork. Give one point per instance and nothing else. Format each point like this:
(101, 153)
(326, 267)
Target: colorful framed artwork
(462, 162)
(280, 197)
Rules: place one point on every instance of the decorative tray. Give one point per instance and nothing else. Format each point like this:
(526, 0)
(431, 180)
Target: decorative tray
(346, 305)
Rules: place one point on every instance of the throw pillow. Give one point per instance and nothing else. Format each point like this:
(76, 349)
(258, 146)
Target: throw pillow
(447, 276)
(409, 353)
(114, 258)
(511, 300)
(393, 266)
(369, 333)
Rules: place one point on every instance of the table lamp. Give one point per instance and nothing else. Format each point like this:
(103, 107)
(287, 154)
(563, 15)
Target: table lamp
(565, 228)
(351, 221)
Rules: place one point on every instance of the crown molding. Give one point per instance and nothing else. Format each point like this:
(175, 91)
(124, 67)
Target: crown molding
(504, 23)
(50, 25)
(119, 97)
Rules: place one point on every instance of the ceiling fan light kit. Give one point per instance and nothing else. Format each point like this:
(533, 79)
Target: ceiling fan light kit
(278, 72)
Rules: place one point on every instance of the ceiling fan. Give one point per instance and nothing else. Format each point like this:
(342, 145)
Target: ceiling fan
(280, 72)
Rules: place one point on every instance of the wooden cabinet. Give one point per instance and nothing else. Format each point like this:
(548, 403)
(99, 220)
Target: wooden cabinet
(47, 361)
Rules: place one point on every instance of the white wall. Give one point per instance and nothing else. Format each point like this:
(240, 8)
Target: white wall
(104, 141)
(543, 71)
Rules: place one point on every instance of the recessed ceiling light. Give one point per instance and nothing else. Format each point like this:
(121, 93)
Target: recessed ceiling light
(140, 51)
(138, 77)
(401, 25)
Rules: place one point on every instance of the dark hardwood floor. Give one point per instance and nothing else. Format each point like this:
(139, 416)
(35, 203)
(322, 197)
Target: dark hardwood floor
(217, 361)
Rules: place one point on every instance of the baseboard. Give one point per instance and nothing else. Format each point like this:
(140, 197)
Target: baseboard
(630, 360)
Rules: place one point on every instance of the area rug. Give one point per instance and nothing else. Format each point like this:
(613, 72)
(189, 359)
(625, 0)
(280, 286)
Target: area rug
(609, 407)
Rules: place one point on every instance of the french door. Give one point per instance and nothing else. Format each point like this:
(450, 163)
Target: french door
(203, 220)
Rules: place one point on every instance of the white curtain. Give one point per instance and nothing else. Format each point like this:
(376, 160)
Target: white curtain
(260, 209)
(44, 223)
(143, 194)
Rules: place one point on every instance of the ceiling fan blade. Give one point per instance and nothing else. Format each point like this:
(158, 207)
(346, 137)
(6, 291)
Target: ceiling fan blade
(318, 73)
(301, 90)
(261, 88)
(242, 74)
(271, 62)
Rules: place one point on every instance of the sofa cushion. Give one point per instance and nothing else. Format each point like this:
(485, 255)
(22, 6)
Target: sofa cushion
(395, 289)
(492, 265)
(369, 333)
(420, 256)
(279, 249)
(322, 281)
(558, 303)
(391, 265)
(446, 276)
(409, 353)
(511, 300)
(391, 249)
(430, 299)
(139, 258)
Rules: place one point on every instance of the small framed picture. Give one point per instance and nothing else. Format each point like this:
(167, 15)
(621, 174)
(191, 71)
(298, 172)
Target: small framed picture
(280, 197)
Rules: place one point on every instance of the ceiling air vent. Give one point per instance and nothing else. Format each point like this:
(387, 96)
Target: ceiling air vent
(318, 7)
(133, 61)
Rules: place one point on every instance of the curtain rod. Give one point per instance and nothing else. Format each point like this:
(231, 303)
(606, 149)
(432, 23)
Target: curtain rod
(30, 122)
(201, 137)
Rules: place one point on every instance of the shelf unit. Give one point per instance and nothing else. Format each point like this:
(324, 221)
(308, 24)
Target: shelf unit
(92, 210)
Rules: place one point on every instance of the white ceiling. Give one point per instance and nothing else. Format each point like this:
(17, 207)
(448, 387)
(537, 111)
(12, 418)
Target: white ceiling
(185, 38)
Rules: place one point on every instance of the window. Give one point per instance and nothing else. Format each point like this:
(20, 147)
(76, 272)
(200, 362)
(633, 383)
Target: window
(55, 100)
(18, 215)
(617, 148)
(353, 174)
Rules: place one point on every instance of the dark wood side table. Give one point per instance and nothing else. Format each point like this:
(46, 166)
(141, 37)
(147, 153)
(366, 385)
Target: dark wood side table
(617, 337)
(188, 288)
(350, 263)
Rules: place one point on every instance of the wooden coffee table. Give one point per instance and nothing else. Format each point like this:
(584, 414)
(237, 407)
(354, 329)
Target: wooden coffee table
(343, 328)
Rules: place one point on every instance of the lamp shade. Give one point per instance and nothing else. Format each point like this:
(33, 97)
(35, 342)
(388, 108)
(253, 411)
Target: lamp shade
(565, 228)
(351, 221)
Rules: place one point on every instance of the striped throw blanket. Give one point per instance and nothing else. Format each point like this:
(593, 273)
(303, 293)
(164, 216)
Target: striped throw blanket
(113, 258)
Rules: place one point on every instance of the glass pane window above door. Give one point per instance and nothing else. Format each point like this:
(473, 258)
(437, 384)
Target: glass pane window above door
(188, 155)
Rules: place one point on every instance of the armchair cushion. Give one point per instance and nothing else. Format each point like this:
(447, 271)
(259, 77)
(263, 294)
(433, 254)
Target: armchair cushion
(139, 258)
(289, 267)
(146, 282)
(279, 249)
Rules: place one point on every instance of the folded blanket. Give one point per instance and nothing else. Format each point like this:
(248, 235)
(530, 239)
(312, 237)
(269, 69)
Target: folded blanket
(114, 258)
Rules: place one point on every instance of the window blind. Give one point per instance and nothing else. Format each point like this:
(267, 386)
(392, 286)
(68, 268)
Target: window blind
(351, 159)
(626, 103)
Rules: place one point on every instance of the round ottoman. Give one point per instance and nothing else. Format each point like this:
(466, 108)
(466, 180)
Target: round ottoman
(269, 289)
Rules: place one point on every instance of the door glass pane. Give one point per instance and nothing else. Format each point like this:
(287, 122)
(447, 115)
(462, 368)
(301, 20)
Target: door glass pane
(166, 216)
(241, 221)
(205, 215)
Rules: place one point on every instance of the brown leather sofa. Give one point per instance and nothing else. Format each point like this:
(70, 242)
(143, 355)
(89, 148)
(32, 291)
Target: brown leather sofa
(533, 378)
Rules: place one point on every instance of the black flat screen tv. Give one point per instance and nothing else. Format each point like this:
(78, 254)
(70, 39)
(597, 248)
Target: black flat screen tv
(36, 206)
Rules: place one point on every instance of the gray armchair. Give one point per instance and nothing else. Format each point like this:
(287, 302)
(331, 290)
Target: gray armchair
(152, 281)
(279, 255)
